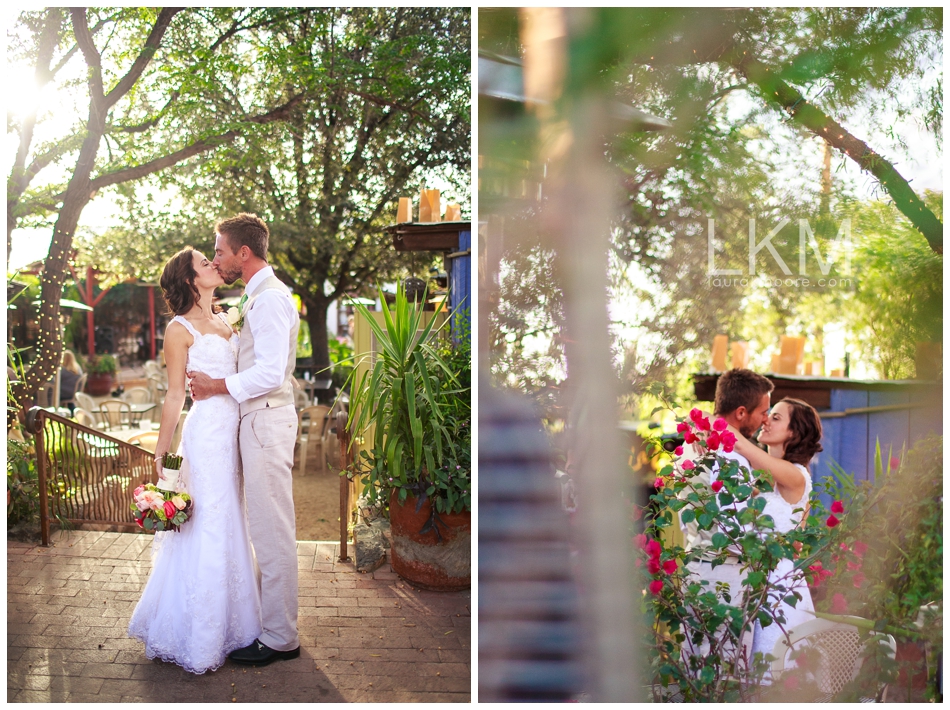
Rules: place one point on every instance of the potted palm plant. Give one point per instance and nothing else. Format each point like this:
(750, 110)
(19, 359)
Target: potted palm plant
(413, 413)
(101, 369)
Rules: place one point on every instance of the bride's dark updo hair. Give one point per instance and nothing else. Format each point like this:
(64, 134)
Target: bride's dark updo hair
(804, 432)
(178, 282)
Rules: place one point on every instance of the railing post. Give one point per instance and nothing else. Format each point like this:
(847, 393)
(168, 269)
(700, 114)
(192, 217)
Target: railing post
(343, 435)
(35, 424)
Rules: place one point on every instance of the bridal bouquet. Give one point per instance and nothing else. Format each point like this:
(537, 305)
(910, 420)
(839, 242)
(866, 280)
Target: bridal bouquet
(162, 509)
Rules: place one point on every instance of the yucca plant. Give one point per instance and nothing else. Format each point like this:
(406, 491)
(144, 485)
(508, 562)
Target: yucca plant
(405, 400)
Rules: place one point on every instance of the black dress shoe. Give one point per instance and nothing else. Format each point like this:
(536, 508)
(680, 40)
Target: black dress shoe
(257, 654)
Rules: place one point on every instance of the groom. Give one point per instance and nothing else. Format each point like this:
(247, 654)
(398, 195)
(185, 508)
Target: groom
(743, 400)
(263, 389)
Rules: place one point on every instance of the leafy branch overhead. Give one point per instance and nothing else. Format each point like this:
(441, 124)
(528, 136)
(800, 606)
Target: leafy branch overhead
(869, 48)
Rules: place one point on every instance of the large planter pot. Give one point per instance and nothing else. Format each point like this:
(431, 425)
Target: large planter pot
(99, 385)
(422, 558)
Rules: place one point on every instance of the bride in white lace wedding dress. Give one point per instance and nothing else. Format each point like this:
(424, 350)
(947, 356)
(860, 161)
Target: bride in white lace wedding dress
(202, 599)
(792, 432)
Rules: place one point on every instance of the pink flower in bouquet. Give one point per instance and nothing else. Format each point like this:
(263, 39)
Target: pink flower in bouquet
(178, 502)
(170, 509)
(140, 523)
(688, 465)
(720, 424)
(138, 491)
(151, 499)
(678, 451)
(669, 566)
(716, 486)
(142, 504)
(832, 521)
(837, 507)
(839, 605)
(656, 586)
(713, 441)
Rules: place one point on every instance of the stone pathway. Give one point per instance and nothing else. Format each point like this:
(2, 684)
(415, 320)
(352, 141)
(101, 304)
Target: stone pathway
(364, 637)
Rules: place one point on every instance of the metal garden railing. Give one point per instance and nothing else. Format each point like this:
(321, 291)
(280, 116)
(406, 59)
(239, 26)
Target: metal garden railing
(85, 475)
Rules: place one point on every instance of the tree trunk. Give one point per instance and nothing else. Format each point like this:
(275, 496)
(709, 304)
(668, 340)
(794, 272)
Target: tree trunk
(319, 338)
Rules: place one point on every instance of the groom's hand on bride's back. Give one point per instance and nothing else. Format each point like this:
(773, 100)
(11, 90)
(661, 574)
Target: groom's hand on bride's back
(203, 387)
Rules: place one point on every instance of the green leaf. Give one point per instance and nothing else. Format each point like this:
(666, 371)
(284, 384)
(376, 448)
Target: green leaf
(688, 515)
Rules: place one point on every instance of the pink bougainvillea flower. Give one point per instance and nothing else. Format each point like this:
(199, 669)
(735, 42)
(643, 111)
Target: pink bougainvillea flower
(837, 507)
(653, 548)
(688, 465)
(690, 438)
(839, 605)
(832, 521)
(728, 440)
(682, 428)
(858, 580)
(640, 541)
(859, 548)
(695, 414)
(790, 682)
(819, 573)
(895, 462)
(703, 424)
(713, 441)
(720, 424)
(843, 546)
(678, 451)
(716, 486)
(656, 586)
(669, 566)
(638, 563)
(653, 565)
(637, 512)
(853, 566)
(658, 483)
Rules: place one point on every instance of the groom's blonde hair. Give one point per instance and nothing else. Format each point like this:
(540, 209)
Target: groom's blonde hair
(245, 230)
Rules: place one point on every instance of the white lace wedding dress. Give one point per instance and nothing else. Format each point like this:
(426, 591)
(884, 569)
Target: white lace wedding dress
(202, 599)
(763, 640)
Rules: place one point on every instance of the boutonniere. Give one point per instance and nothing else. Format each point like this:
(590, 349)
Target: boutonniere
(235, 318)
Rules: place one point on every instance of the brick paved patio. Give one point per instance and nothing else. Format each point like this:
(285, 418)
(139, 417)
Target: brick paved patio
(364, 637)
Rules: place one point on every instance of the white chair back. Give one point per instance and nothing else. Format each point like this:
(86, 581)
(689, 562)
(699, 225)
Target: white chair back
(136, 395)
(839, 646)
(85, 401)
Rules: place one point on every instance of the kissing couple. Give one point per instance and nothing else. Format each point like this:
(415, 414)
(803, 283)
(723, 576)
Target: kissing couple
(225, 586)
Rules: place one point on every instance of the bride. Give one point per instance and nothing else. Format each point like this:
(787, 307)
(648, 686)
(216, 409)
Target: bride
(792, 432)
(202, 600)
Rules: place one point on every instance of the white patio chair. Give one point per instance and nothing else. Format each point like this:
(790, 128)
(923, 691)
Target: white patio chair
(840, 647)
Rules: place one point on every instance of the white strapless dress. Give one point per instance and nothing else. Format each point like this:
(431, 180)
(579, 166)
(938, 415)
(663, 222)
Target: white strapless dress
(202, 599)
(786, 520)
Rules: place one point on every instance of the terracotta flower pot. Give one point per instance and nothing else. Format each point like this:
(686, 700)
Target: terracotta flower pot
(421, 558)
(99, 385)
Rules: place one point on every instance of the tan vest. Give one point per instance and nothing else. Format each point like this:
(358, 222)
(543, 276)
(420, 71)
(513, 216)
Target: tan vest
(284, 394)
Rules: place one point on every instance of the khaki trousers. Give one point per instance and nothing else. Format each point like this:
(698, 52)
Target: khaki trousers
(267, 456)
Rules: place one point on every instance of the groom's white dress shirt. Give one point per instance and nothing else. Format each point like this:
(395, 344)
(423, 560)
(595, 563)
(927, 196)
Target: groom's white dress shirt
(269, 369)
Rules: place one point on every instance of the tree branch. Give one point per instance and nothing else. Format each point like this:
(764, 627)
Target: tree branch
(778, 92)
(206, 144)
(144, 57)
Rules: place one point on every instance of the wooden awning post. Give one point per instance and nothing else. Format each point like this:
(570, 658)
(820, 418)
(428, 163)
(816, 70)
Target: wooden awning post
(343, 435)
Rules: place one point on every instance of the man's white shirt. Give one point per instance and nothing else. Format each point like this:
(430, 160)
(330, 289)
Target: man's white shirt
(271, 329)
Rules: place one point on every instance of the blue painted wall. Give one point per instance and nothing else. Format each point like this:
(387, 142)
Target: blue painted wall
(850, 441)
(460, 281)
